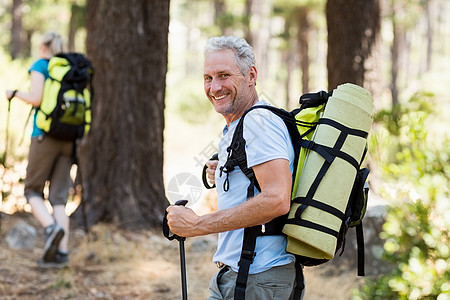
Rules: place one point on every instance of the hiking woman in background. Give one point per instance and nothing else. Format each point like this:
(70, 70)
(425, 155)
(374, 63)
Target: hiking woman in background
(50, 160)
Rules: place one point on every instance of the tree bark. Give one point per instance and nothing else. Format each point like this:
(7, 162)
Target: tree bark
(247, 21)
(430, 30)
(287, 60)
(76, 21)
(303, 45)
(395, 55)
(219, 10)
(121, 159)
(16, 29)
(353, 29)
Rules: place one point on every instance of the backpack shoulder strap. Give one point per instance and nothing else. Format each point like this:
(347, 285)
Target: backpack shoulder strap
(250, 234)
(238, 157)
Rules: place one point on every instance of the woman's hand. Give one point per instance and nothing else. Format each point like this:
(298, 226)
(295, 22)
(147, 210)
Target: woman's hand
(10, 94)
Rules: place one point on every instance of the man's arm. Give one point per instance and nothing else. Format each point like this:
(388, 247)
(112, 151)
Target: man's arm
(274, 178)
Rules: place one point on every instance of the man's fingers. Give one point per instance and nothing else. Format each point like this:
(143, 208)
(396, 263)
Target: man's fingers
(212, 164)
(211, 170)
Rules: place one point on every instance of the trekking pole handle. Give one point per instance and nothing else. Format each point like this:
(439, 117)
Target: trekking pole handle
(166, 229)
(13, 94)
(205, 181)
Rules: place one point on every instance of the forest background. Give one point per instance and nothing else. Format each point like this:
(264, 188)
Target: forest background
(409, 144)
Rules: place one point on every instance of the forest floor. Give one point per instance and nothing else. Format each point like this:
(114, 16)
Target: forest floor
(112, 263)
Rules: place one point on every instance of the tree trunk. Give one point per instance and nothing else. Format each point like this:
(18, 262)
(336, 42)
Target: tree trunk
(16, 29)
(219, 10)
(353, 29)
(261, 37)
(247, 21)
(121, 159)
(76, 21)
(395, 56)
(303, 41)
(430, 30)
(287, 61)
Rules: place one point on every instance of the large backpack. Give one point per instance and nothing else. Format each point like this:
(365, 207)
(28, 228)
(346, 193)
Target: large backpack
(65, 109)
(308, 223)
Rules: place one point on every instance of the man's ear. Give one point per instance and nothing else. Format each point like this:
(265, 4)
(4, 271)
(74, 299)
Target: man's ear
(253, 75)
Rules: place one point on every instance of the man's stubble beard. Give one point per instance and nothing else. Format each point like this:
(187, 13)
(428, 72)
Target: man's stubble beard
(235, 104)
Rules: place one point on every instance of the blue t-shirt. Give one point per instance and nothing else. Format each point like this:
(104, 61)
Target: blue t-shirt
(267, 138)
(41, 66)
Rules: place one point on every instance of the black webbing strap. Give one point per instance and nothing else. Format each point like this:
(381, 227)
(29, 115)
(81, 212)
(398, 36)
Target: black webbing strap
(329, 154)
(320, 149)
(360, 245)
(343, 128)
(320, 205)
(314, 99)
(312, 225)
(299, 280)
(309, 196)
(247, 256)
(238, 157)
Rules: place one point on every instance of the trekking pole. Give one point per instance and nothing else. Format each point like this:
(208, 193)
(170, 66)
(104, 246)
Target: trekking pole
(79, 182)
(166, 232)
(3, 162)
(25, 126)
(7, 127)
(183, 269)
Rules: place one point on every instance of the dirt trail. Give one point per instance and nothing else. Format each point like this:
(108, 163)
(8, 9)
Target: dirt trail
(111, 263)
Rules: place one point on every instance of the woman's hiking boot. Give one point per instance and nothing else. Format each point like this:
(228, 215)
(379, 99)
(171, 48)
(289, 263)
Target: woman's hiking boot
(61, 260)
(53, 235)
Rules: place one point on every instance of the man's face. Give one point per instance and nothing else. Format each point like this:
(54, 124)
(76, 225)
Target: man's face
(225, 86)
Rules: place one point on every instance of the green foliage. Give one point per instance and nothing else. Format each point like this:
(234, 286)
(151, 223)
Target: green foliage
(391, 119)
(416, 231)
(188, 102)
(38, 17)
(62, 283)
(195, 108)
(417, 243)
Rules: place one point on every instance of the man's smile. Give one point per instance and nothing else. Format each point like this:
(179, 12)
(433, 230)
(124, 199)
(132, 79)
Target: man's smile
(217, 98)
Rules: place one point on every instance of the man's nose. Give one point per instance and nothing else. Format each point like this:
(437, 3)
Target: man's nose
(216, 85)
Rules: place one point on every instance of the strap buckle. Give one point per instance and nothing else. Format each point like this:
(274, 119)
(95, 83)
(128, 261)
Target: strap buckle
(247, 255)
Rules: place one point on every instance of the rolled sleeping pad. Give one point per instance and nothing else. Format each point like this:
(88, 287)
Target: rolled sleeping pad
(351, 106)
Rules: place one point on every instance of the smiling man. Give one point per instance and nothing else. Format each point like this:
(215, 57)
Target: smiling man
(230, 85)
(230, 89)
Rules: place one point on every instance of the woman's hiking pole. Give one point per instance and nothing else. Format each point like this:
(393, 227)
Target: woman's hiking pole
(7, 128)
(166, 232)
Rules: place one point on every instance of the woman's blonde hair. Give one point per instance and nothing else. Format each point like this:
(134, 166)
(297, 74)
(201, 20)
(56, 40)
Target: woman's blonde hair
(54, 42)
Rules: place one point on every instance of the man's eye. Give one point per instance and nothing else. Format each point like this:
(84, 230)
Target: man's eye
(207, 79)
(224, 76)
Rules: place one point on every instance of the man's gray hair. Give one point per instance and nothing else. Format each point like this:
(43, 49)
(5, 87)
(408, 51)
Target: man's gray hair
(245, 58)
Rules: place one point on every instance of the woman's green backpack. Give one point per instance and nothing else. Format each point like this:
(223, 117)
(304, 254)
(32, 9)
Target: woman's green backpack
(65, 110)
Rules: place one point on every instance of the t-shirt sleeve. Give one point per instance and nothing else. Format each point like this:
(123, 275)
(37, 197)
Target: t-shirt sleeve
(40, 66)
(266, 136)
